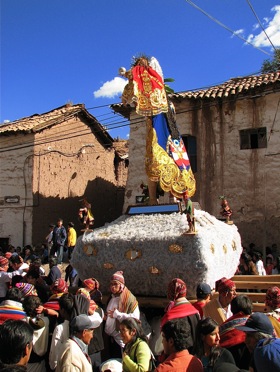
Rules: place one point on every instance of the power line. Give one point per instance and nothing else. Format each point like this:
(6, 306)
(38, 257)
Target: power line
(225, 27)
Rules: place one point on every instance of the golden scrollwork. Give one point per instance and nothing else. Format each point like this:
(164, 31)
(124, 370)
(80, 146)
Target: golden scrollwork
(108, 265)
(212, 248)
(175, 248)
(133, 254)
(225, 248)
(90, 250)
(160, 167)
(233, 244)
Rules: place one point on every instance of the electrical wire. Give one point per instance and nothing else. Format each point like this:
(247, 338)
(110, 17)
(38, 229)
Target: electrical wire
(255, 14)
(225, 27)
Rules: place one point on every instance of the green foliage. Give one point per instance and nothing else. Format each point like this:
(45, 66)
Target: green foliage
(167, 87)
(273, 64)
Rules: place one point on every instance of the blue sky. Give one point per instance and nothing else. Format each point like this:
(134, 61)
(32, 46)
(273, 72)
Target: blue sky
(59, 51)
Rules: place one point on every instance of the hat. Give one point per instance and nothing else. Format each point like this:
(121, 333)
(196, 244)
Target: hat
(272, 298)
(203, 289)
(27, 289)
(3, 261)
(267, 354)
(118, 276)
(59, 286)
(177, 288)
(91, 284)
(82, 321)
(257, 322)
(224, 284)
(111, 365)
(51, 225)
(8, 255)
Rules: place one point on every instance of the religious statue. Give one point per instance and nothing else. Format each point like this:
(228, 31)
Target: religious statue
(167, 162)
(226, 212)
(85, 215)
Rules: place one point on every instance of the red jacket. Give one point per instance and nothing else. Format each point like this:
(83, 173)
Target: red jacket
(181, 361)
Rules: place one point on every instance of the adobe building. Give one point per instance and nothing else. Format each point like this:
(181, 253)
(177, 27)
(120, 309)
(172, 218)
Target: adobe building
(50, 162)
(232, 134)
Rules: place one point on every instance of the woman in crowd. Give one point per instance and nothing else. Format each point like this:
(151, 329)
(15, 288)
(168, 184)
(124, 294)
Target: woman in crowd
(247, 266)
(136, 354)
(257, 258)
(207, 345)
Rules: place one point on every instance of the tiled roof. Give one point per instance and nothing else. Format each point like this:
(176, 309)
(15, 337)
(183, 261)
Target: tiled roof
(37, 123)
(232, 87)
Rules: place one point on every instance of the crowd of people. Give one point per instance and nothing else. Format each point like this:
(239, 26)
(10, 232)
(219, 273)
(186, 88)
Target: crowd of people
(51, 323)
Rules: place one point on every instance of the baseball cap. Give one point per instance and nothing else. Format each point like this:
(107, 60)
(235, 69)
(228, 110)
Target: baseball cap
(82, 321)
(203, 289)
(257, 322)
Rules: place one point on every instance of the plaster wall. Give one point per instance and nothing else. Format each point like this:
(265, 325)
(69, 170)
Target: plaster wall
(249, 178)
(15, 182)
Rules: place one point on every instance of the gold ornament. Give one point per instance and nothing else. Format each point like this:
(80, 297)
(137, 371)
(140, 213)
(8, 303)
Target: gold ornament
(90, 250)
(175, 248)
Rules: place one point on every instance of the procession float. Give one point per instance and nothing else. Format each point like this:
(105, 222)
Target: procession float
(151, 242)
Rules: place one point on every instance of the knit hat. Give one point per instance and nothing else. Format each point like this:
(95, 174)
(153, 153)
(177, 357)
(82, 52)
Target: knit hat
(91, 284)
(203, 289)
(8, 255)
(267, 355)
(82, 322)
(224, 285)
(3, 261)
(272, 298)
(27, 289)
(177, 288)
(118, 276)
(59, 286)
(257, 322)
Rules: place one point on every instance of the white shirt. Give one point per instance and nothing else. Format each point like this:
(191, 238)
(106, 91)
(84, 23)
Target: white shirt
(4, 279)
(110, 327)
(260, 268)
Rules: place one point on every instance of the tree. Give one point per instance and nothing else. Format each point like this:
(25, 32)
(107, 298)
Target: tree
(273, 64)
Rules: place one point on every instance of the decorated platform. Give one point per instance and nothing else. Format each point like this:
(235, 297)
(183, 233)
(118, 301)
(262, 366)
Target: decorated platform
(153, 249)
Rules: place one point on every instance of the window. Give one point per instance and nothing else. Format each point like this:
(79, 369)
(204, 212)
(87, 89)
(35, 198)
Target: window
(190, 143)
(254, 138)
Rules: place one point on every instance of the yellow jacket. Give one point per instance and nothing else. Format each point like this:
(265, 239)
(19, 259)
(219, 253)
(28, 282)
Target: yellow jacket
(71, 237)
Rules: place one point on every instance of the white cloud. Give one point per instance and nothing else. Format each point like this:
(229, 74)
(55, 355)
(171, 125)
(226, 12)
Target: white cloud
(272, 28)
(111, 88)
(238, 32)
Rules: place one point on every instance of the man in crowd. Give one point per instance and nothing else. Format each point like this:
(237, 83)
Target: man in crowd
(257, 327)
(176, 339)
(59, 239)
(219, 308)
(71, 238)
(54, 273)
(203, 295)
(74, 353)
(16, 343)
